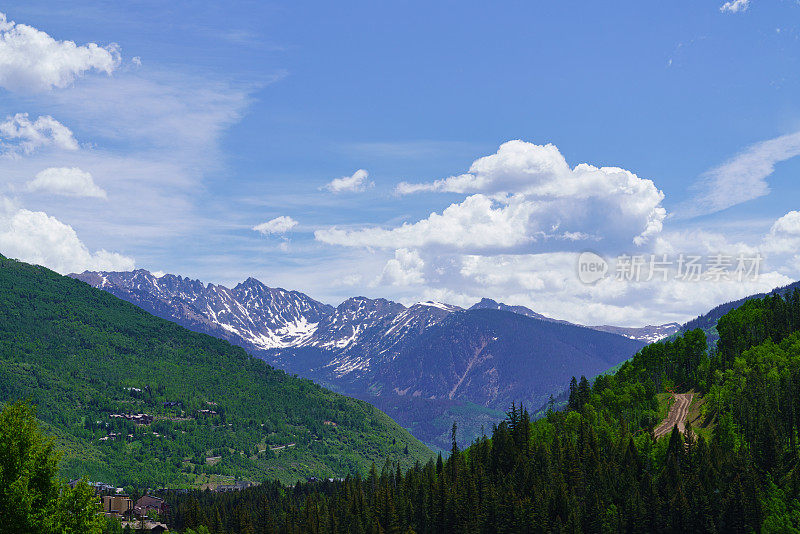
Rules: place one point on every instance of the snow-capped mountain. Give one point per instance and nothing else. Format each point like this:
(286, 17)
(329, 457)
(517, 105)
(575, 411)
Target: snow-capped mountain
(417, 363)
(251, 314)
(261, 318)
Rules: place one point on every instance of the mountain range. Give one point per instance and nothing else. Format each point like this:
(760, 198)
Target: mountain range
(426, 365)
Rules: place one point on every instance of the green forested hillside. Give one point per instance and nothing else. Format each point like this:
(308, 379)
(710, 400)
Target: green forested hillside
(594, 467)
(708, 321)
(83, 356)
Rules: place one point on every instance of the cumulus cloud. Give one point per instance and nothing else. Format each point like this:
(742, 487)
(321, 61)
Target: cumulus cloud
(735, 6)
(525, 193)
(354, 184)
(278, 225)
(35, 237)
(405, 269)
(784, 235)
(516, 167)
(20, 135)
(31, 60)
(742, 178)
(67, 181)
(479, 222)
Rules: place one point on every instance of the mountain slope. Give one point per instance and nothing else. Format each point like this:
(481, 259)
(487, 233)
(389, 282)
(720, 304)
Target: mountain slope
(137, 399)
(494, 358)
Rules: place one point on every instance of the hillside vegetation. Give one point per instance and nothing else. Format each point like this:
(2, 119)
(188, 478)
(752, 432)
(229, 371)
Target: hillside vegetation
(92, 363)
(594, 467)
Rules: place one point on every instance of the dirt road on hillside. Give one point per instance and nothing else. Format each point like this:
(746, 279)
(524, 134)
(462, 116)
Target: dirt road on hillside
(676, 416)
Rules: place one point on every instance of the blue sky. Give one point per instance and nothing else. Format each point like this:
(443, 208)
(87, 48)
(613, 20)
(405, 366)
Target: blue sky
(185, 126)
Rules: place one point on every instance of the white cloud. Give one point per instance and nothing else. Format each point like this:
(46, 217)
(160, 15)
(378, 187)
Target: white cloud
(31, 60)
(35, 237)
(742, 178)
(516, 167)
(354, 184)
(699, 242)
(479, 222)
(788, 224)
(404, 269)
(20, 135)
(541, 171)
(548, 284)
(526, 193)
(67, 181)
(278, 225)
(784, 235)
(735, 6)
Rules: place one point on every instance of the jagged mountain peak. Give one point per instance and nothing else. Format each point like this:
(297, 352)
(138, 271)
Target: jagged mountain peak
(486, 303)
(252, 314)
(250, 283)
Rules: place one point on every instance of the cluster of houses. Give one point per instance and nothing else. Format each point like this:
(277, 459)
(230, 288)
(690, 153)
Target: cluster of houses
(143, 419)
(136, 514)
(140, 419)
